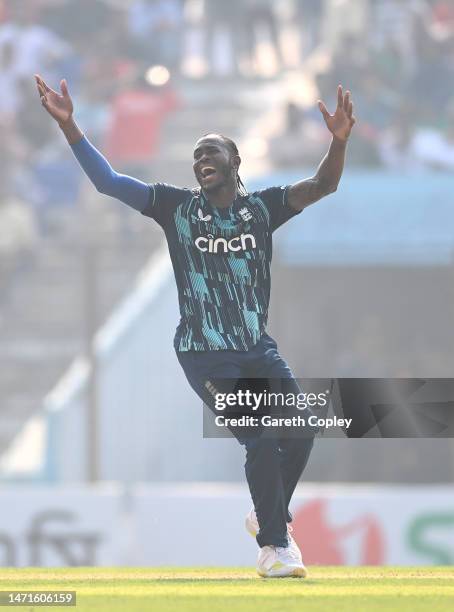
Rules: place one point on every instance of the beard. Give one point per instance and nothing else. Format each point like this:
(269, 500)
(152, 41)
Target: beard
(224, 176)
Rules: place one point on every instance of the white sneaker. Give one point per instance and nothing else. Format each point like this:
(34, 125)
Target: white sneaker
(252, 525)
(278, 562)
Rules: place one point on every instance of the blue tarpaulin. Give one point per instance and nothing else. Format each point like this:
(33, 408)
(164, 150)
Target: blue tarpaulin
(375, 217)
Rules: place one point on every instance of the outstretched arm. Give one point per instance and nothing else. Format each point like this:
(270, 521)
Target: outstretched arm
(329, 172)
(129, 190)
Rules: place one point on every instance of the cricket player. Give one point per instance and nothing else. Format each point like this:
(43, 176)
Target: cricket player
(220, 242)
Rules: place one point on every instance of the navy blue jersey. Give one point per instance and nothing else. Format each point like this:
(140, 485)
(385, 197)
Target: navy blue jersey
(221, 260)
(221, 257)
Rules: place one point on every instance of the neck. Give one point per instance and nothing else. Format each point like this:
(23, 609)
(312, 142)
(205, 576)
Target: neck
(223, 196)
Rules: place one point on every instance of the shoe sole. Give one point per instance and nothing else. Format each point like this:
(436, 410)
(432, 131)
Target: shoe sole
(298, 572)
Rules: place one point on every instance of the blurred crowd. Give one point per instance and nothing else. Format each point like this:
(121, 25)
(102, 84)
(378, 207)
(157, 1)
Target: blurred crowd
(104, 50)
(397, 57)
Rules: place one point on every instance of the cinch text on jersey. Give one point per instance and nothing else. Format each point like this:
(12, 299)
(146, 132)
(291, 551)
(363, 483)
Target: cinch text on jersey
(215, 245)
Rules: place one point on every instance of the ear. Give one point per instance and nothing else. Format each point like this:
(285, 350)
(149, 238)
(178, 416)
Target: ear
(236, 161)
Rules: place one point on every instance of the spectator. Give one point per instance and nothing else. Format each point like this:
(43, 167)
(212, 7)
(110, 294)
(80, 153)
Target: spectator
(429, 90)
(349, 63)
(47, 178)
(399, 20)
(435, 148)
(308, 15)
(224, 27)
(344, 19)
(119, 40)
(376, 102)
(134, 128)
(77, 21)
(36, 48)
(395, 146)
(386, 62)
(156, 28)
(259, 13)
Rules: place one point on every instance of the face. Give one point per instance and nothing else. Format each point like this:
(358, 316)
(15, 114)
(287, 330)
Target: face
(214, 165)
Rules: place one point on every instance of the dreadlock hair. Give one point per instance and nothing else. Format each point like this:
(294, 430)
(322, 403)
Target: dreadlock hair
(234, 151)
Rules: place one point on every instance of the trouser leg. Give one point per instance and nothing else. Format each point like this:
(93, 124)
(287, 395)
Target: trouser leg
(264, 477)
(272, 466)
(294, 455)
(294, 452)
(263, 458)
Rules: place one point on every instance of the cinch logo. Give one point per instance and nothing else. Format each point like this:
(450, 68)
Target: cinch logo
(210, 244)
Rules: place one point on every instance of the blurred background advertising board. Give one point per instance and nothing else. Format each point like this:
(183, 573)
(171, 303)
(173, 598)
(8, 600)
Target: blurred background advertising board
(147, 525)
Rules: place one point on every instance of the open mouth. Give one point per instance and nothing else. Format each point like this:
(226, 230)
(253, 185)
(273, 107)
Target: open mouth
(207, 171)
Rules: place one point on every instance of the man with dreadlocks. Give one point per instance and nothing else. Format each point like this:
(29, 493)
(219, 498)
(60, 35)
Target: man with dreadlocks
(220, 242)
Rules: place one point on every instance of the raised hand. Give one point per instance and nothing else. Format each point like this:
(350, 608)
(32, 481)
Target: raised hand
(340, 124)
(59, 106)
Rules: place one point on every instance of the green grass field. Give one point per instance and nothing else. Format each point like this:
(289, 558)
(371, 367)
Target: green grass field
(240, 589)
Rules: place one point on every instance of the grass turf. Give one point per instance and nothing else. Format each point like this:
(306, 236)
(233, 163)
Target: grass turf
(221, 589)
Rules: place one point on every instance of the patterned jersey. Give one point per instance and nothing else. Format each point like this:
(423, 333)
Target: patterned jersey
(221, 260)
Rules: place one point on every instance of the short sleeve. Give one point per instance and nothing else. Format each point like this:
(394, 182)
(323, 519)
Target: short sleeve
(163, 199)
(276, 202)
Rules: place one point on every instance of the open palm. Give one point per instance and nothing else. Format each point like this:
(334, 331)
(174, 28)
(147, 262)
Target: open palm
(340, 124)
(59, 106)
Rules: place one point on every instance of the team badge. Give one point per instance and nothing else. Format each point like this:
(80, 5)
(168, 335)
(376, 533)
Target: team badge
(245, 214)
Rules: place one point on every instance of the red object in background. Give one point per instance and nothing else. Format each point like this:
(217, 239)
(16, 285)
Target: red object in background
(443, 12)
(3, 12)
(322, 544)
(136, 117)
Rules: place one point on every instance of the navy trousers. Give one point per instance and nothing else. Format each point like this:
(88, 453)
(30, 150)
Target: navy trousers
(273, 466)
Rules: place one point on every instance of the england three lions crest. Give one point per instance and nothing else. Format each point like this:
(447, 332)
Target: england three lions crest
(245, 214)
